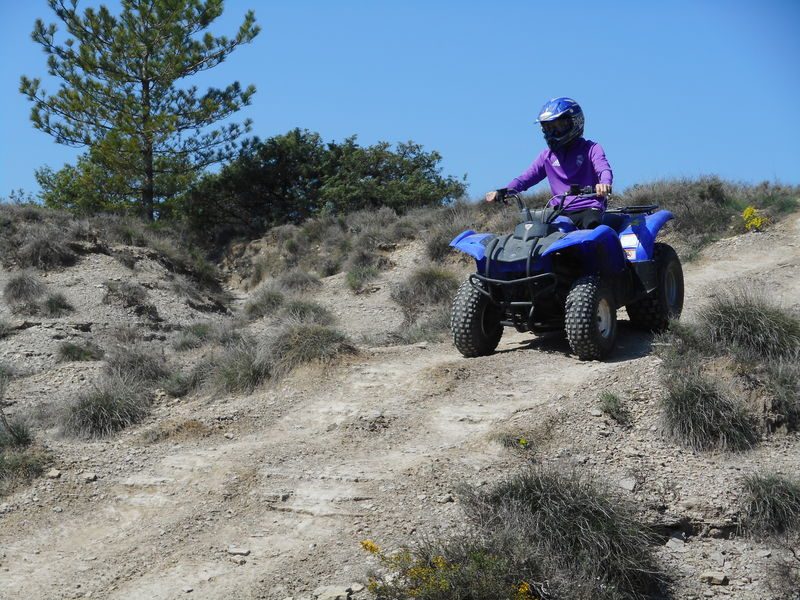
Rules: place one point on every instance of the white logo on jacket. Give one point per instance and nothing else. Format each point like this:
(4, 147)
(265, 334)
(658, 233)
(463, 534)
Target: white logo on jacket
(579, 160)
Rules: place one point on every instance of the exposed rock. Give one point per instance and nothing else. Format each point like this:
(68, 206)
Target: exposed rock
(714, 578)
(53, 474)
(330, 592)
(235, 551)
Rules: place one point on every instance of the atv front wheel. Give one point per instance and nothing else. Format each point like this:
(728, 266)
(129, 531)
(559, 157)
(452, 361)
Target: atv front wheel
(475, 322)
(590, 319)
(654, 311)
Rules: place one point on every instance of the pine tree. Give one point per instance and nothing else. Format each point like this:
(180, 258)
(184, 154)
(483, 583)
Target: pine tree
(118, 94)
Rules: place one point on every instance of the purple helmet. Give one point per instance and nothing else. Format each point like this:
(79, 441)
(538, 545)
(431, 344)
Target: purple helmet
(562, 122)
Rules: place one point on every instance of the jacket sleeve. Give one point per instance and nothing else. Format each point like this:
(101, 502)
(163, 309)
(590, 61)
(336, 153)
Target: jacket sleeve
(533, 175)
(601, 166)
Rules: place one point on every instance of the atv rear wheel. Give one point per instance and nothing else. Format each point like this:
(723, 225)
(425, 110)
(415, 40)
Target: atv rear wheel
(654, 311)
(475, 322)
(590, 318)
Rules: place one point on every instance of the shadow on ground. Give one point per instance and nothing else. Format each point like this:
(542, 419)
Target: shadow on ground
(631, 343)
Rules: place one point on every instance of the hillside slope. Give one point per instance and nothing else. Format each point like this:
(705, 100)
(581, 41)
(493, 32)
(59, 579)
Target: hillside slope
(272, 493)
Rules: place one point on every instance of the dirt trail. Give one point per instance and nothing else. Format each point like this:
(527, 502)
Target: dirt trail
(370, 449)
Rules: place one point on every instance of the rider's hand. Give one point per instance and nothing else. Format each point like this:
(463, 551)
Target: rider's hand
(496, 195)
(603, 189)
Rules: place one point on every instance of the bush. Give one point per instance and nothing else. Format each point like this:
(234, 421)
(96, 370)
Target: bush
(241, 367)
(433, 328)
(612, 405)
(304, 311)
(5, 329)
(177, 385)
(23, 288)
(749, 324)
(136, 363)
(358, 276)
(297, 344)
(699, 414)
(85, 351)
(264, 301)
(783, 385)
(540, 534)
(127, 293)
(45, 248)
(16, 466)
(56, 305)
(14, 433)
(299, 281)
(770, 504)
(118, 402)
(425, 287)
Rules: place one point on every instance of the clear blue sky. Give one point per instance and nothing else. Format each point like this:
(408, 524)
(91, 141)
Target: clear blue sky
(671, 89)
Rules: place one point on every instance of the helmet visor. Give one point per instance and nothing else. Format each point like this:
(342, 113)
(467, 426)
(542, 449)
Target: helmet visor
(557, 127)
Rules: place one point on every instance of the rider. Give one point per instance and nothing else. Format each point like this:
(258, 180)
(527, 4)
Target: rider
(569, 160)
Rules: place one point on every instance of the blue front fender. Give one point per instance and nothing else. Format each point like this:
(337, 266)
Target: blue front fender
(472, 243)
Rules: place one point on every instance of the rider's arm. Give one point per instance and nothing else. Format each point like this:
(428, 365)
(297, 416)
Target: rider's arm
(532, 175)
(602, 168)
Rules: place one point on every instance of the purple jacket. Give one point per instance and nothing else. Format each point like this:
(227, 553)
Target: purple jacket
(582, 163)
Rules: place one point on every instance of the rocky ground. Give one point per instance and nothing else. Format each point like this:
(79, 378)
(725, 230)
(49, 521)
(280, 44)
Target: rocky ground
(267, 495)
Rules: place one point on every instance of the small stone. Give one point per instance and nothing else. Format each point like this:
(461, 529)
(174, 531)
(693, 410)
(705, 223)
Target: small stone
(596, 412)
(239, 560)
(628, 484)
(445, 498)
(53, 474)
(714, 578)
(89, 477)
(188, 589)
(764, 553)
(234, 551)
(57, 509)
(718, 558)
(330, 592)
(676, 544)
(355, 588)
(229, 436)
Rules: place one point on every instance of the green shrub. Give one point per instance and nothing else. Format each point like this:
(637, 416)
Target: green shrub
(749, 324)
(14, 433)
(23, 288)
(45, 248)
(612, 405)
(305, 311)
(19, 466)
(542, 534)
(783, 385)
(264, 301)
(177, 385)
(698, 413)
(5, 329)
(128, 293)
(240, 367)
(298, 281)
(358, 276)
(56, 305)
(770, 504)
(119, 401)
(297, 344)
(425, 287)
(84, 351)
(136, 363)
(434, 327)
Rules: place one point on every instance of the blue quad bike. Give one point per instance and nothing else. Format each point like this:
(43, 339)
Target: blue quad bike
(549, 276)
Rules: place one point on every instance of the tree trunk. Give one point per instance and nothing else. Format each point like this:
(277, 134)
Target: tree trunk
(148, 190)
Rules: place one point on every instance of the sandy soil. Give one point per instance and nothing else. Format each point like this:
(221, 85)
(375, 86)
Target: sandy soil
(273, 501)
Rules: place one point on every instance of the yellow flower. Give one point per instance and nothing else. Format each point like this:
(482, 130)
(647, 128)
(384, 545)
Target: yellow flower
(439, 562)
(370, 546)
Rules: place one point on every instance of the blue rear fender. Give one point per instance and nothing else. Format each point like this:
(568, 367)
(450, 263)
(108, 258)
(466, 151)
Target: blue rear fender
(640, 234)
(598, 249)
